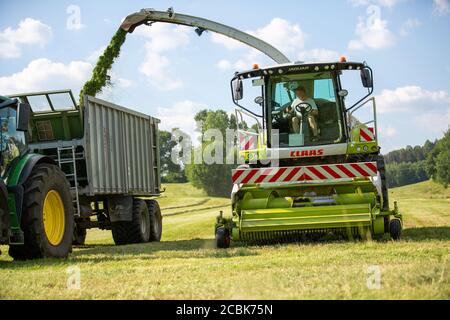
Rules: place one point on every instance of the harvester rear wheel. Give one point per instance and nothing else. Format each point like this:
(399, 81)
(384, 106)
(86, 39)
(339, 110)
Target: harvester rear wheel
(135, 231)
(384, 190)
(155, 220)
(47, 216)
(395, 229)
(222, 238)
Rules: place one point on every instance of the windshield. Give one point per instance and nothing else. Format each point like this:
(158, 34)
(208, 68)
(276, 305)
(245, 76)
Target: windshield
(304, 110)
(12, 142)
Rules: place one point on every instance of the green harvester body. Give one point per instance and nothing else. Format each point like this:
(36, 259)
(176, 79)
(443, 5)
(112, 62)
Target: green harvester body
(319, 188)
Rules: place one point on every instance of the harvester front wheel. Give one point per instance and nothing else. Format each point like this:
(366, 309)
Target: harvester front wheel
(395, 229)
(155, 220)
(222, 238)
(47, 216)
(135, 231)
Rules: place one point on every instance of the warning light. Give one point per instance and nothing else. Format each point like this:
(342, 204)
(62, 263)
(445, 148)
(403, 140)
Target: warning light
(342, 59)
(255, 66)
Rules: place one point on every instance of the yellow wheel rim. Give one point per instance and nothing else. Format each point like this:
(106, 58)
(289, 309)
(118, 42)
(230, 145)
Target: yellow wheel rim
(53, 216)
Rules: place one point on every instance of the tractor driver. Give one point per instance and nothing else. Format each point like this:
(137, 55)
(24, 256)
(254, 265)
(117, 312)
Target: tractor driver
(312, 115)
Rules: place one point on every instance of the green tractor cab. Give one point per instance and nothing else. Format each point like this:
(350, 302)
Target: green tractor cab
(36, 212)
(312, 163)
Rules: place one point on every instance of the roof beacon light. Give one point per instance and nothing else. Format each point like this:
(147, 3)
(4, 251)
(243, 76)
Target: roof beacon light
(255, 66)
(342, 59)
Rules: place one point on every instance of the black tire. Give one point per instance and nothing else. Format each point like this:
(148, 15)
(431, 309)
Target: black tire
(43, 179)
(222, 238)
(135, 231)
(155, 220)
(384, 190)
(79, 236)
(395, 229)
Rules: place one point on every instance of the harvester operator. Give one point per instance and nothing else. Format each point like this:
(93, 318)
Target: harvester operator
(301, 97)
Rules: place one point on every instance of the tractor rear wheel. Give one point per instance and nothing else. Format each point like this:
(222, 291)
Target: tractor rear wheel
(135, 231)
(222, 238)
(155, 220)
(395, 229)
(47, 217)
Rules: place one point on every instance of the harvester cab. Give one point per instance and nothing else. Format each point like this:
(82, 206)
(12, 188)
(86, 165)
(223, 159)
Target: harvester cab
(311, 159)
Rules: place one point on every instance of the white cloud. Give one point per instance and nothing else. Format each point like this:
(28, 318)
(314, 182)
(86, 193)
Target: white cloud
(436, 122)
(180, 115)
(421, 109)
(164, 37)
(441, 7)
(29, 32)
(373, 34)
(283, 35)
(227, 42)
(318, 55)
(409, 24)
(412, 99)
(161, 38)
(44, 74)
(224, 64)
(383, 3)
(388, 132)
(287, 37)
(280, 33)
(155, 67)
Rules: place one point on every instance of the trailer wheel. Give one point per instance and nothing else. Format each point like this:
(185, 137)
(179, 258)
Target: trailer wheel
(47, 216)
(135, 231)
(79, 236)
(395, 229)
(222, 238)
(155, 220)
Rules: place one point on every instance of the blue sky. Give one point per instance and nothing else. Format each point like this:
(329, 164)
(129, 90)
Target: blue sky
(170, 72)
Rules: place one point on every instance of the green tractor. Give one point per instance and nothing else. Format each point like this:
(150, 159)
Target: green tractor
(36, 210)
(312, 164)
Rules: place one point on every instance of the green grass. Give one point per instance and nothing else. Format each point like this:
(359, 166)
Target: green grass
(186, 265)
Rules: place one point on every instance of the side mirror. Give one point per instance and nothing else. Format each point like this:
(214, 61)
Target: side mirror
(259, 100)
(23, 116)
(366, 78)
(238, 90)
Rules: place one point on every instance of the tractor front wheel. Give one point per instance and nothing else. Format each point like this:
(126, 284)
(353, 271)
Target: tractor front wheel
(47, 216)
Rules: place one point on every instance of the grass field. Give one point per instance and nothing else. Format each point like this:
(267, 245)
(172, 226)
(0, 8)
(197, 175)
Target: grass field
(185, 265)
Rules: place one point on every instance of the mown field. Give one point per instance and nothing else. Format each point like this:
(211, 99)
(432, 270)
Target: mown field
(185, 265)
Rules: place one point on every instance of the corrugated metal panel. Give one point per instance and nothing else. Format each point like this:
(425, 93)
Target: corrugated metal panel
(122, 151)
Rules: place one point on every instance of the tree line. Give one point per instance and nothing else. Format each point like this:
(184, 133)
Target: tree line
(404, 166)
(415, 164)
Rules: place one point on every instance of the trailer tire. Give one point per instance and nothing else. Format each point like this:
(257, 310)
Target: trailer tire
(79, 236)
(222, 238)
(155, 220)
(47, 232)
(381, 166)
(135, 231)
(395, 229)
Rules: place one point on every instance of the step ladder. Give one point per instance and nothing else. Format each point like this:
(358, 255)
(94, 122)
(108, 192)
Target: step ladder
(66, 155)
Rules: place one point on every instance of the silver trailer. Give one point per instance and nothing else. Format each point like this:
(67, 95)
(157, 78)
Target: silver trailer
(110, 155)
